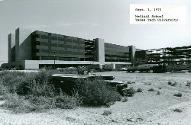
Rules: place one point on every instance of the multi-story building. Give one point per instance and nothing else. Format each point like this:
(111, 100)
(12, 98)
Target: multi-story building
(33, 50)
(173, 58)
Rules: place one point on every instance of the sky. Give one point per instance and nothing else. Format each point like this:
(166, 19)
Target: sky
(89, 19)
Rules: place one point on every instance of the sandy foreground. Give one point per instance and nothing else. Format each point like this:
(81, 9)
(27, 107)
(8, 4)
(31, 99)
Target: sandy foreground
(146, 108)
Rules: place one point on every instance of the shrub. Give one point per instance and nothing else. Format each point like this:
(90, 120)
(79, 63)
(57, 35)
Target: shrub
(66, 102)
(41, 102)
(178, 94)
(124, 99)
(188, 83)
(11, 79)
(158, 93)
(172, 83)
(139, 90)
(35, 84)
(32, 92)
(106, 112)
(177, 110)
(20, 104)
(151, 90)
(23, 86)
(130, 82)
(17, 103)
(120, 88)
(129, 92)
(169, 82)
(96, 92)
(3, 89)
(69, 70)
(109, 104)
(82, 70)
(42, 89)
(43, 76)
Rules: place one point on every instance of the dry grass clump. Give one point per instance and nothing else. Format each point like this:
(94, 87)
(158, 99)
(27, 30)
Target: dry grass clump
(96, 92)
(139, 90)
(66, 102)
(21, 104)
(17, 103)
(129, 92)
(107, 112)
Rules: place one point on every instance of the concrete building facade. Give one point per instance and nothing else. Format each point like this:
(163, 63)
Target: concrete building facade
(36, 49)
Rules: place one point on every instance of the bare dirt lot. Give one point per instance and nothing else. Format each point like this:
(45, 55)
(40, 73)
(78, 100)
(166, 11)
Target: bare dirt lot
(156, 107)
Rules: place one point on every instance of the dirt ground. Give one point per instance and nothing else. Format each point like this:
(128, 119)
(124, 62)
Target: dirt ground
(144, 108)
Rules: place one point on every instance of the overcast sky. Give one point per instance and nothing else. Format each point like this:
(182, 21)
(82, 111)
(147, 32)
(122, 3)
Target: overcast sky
(107, 19)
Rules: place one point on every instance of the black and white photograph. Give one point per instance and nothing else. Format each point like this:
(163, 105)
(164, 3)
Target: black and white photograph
(95, 62)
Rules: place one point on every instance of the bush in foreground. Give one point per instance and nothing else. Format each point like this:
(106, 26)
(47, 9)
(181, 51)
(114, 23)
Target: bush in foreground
(31, 92)
(28, 92)
(96, 92)
(66, 102)
(26, 104)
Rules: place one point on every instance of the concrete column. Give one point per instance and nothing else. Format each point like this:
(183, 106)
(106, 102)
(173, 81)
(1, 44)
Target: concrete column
(100, 51)
(132, 50)
(101, 66)
(114, 66)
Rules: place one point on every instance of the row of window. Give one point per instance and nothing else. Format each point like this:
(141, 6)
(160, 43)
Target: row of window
(59, 38)
(62, 51)
(46, 42)
(62, 45)
(61, 58)
(117, 56)
(115, 60)
(116, 47)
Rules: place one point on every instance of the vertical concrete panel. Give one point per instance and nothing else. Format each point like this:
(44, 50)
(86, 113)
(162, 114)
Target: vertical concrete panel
(9, 48)
(25, 44)
(12, 47)
(23, 48)
(114, 66)
(101, 51)
(132, 54)
(17, 44)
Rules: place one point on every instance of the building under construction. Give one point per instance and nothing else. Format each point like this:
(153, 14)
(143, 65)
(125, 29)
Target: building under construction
(177, 58)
